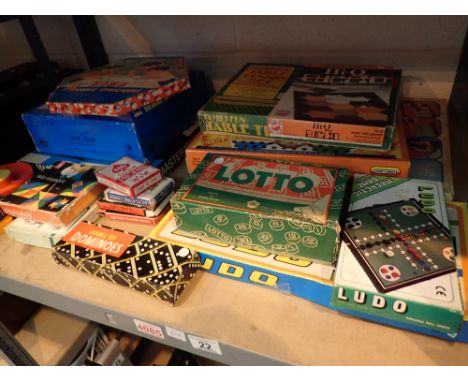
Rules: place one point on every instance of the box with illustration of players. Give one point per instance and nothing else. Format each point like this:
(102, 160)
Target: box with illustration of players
(276, 207)
(290, 275)
(435, 303)
(120, 87)
(394, 162)
(56, 194)
(346, 106)
(149, 266)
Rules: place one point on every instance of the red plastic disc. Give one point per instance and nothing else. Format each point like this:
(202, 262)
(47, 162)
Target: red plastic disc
(20, 173)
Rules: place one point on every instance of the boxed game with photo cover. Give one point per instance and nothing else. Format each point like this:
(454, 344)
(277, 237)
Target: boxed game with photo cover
(275, 207)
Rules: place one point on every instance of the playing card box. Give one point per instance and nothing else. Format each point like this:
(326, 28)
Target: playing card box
(149, 266)
(434, 304)
(136, 219)
(394, 162)
(149, 199)
(274, 207)
(120, 87)
(286, 274)
(129, 177)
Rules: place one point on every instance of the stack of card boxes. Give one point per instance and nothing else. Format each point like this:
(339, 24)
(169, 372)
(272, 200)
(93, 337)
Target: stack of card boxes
(136, 192)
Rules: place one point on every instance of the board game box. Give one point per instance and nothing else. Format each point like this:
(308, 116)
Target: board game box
(146, 265)
(343, 105)
(394, 162)
(290, 275)
(143, 136)
(120, 87)
(434, 304)
(56, 194)
(242, 105)
(129, 177)
(426, 129)
(279, 208)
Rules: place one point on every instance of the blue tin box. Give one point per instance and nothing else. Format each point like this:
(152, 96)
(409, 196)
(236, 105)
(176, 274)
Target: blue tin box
(142, 135)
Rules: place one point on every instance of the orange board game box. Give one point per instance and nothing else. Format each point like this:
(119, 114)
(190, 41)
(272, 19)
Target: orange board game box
(394, 162)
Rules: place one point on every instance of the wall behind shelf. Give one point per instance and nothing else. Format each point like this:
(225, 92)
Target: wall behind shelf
(427, 48)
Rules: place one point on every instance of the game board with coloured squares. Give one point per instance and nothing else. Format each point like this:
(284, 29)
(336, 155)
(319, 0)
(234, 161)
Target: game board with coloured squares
(398, 245)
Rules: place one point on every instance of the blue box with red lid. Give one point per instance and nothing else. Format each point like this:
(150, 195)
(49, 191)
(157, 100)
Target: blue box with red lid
(141, 135)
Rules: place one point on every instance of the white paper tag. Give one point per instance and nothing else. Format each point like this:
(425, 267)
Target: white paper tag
(118, 360)
(205, 344)
(178, 334)
(150, 329)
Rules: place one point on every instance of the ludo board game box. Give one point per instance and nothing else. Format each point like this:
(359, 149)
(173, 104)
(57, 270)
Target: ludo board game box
(143, 136)
(286, 274)
(57, 193)
(120, 87)
(394, 162)
(426, 129)
(339, 105)
(279, 208)
(146, 265)
(434, 304)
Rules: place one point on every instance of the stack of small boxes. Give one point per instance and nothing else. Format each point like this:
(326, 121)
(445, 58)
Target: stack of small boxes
(136, 193)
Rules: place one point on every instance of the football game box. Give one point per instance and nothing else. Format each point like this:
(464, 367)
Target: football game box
(394, 162)
(290, 275)
(279, 208)
(146, 265)
(346, 106)
(434, 304)
(120, 87)
(143, 137)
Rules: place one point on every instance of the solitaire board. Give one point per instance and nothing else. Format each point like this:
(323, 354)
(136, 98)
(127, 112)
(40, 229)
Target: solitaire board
(398, 244)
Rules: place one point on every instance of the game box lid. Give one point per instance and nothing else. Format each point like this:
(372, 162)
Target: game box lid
(120, 87)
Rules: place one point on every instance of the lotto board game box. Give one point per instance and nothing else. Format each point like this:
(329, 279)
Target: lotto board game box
(57, 193)
(290, 275)
(120, 87)
(426, 129)
(394, 162)
(343, 105)
(434, 304)
(149, 266)
(144, 136)
(242, 105)
(279, 208)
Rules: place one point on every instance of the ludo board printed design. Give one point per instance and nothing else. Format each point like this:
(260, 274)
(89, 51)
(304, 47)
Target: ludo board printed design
(398, 245)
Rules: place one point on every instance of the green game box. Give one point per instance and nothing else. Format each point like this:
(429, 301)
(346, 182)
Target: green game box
(275, 207)
(434, 304)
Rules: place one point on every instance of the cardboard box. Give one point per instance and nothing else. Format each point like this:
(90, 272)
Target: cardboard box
(262, 100)
(149, 266)
(348, 106)
(434, 304)
(120, 87)
(395, 162)
(290, 275)
(129, 177)
(142, 136)
(427, 134)
(57, 193)
(279, 208)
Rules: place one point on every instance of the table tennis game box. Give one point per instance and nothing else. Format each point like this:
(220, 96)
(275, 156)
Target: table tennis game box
(435, 304)
(142, 135)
